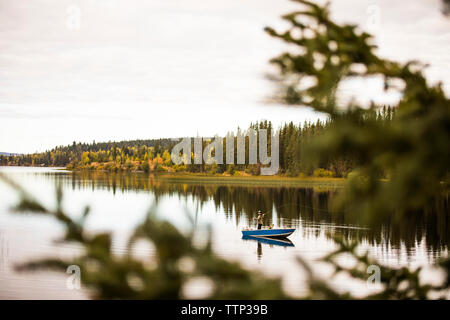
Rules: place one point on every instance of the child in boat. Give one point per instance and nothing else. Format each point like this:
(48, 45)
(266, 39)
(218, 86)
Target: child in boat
(259, 219)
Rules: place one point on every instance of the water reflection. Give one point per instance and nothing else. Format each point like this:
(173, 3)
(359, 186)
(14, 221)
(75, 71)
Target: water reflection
(287, 206)
(283, 242)
(271, 242)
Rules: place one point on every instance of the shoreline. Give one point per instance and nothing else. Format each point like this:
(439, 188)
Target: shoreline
(187, 177)
(184, 177)
(274, 178)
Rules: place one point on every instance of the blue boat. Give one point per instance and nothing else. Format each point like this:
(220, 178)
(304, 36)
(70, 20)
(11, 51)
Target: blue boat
(280, 233)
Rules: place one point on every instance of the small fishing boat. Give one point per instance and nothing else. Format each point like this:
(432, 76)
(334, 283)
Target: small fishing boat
(280, 233)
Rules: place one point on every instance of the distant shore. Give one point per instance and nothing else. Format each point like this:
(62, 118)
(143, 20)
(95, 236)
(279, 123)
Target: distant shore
(261, 180)
(189, 177)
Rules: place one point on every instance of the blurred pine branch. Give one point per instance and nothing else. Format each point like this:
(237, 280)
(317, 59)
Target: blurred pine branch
(403, 167)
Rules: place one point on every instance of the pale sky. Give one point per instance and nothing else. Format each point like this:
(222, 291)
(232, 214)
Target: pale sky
(105, 70)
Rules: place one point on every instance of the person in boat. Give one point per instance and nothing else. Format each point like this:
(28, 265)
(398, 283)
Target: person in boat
(259, 219)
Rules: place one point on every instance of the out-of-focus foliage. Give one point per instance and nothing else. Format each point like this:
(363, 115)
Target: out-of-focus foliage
(446, 7)
(394, 283)
(177, 260)
(403, 165)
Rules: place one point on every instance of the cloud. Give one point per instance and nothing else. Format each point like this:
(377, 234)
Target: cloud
(132, 62)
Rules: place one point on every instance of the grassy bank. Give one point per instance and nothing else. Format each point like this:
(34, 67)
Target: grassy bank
(275, 180)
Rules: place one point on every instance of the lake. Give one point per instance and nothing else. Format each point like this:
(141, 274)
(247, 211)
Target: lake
(120, 201)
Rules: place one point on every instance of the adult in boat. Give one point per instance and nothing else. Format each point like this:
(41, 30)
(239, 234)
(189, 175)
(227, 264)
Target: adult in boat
(259, 219)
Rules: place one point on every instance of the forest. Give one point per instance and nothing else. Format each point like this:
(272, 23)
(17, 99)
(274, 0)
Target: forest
(154, 155)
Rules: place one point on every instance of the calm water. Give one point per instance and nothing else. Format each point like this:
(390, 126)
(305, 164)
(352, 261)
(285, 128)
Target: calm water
(120, 201)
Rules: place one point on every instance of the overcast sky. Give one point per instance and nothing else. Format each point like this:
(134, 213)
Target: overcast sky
(111, 70)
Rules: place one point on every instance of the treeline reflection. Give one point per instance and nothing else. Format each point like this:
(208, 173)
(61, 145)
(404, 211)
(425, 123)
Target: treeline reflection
(283, 205)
